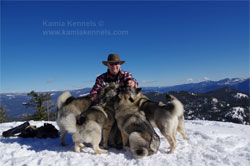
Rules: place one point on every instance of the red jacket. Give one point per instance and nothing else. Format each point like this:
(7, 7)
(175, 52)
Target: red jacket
(101, 80)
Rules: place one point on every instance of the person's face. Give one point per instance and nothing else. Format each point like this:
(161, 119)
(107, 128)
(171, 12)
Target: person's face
(114, 68)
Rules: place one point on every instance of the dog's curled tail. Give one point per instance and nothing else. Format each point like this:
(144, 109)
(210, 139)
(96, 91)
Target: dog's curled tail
(62, 99)
(174, 105)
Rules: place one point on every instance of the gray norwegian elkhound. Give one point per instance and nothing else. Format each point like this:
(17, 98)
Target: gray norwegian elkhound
(67, 104)
(134, 127)
(167, 117)
(92, 120)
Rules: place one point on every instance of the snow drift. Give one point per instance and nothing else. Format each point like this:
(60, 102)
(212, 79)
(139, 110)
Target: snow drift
(209, 143)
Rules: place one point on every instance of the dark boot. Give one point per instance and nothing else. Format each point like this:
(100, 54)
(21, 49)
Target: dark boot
(15, 130)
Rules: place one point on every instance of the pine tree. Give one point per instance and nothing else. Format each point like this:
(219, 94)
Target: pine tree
(41, 103)
(3, 115)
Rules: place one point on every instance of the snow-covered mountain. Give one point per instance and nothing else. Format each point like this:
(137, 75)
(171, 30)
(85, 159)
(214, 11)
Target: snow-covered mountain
(241, 84)
(209, 143)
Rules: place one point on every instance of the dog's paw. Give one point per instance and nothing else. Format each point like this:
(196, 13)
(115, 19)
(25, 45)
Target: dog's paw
(101, 151)
(77, 149)
(82, 146)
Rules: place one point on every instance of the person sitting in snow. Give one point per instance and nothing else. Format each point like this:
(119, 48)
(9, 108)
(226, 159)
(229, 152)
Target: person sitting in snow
(117, 75)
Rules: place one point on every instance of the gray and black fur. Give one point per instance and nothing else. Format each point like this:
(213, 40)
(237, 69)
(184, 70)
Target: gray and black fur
(90, 131)
(67, 104)
(134, 127)
(92, 120)
(169, 117)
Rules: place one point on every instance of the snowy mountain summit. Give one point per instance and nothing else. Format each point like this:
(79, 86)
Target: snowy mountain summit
(209, 143)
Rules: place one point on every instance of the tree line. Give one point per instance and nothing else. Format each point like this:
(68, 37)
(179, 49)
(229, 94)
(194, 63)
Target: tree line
(44, 108)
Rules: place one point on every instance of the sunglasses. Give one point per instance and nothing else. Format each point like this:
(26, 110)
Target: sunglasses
(114, 63)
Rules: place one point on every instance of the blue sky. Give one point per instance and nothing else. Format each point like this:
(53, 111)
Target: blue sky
(163, 43)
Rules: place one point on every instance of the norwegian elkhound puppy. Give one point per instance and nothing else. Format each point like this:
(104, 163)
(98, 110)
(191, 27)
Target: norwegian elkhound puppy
(167, 117)
(134, 127)
(84, 125)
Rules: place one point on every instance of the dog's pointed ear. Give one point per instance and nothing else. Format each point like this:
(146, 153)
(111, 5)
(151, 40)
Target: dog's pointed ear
(138, 90)
(117, 86)
(169, 97)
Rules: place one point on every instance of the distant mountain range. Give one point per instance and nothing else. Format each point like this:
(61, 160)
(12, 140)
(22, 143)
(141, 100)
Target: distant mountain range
(241, 84)
(13, 102)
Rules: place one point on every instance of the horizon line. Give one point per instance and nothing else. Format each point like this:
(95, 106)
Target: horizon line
(164, 86)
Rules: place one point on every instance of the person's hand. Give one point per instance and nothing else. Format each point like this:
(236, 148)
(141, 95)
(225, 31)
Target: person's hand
(131, 83)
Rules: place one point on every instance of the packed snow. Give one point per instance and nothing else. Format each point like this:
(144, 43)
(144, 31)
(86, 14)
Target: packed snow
(209, 143)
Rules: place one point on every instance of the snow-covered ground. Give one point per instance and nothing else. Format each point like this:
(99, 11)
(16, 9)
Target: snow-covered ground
(209, 143)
